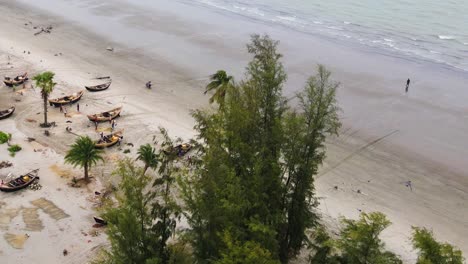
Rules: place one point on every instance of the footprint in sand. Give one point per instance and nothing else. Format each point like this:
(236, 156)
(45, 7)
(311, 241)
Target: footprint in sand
(50, 208)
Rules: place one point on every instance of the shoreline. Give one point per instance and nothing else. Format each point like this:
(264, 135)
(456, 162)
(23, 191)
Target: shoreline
(441, 188)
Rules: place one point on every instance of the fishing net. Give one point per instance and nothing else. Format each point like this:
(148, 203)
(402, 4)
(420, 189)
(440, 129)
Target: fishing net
(31, 219)
(50, 208)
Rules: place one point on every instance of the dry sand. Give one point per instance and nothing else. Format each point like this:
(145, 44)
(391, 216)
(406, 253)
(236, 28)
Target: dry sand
(360, 159)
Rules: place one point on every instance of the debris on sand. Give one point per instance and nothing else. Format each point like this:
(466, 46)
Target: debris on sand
(44, 30)
(16, 241)
(31, 120)
(110, 48)
(5, 164)
(35, 186)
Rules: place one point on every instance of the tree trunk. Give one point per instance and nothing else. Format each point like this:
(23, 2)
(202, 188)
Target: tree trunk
(45, 111)
(145, 169)
(86, 172)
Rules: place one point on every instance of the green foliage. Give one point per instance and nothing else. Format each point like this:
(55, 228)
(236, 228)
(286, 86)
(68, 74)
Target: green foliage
(84, 154)
(130, 224)
(45, 81)
(4, 137)
(13, 149)
(147, 154)
(220, 82)
(433, 252)
(258, 158)
(323, 248)
(145, 219)
(245, 252)
(360, 243)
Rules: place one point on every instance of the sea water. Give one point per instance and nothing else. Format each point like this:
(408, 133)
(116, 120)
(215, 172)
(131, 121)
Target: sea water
(431, 30)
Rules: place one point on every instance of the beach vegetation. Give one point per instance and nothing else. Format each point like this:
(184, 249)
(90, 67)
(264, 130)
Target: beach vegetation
(220, 82)
(45, 81)
(431, 251)
(147, 154)
(358, 243)
(140, 227)
(253, 189)
(13, 149)
(4, 137)
(84, 154)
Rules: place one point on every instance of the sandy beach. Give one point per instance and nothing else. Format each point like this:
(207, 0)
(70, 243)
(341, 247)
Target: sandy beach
(387, 139)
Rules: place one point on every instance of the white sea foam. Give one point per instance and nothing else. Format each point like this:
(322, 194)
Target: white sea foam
(444, 37)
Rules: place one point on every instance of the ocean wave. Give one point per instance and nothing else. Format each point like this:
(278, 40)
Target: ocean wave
(445, 37)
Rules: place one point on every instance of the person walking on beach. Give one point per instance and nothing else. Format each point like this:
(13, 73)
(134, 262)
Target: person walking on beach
(95, 124)
(148, 85)
(61, 109)
(102, 135)
(78, 107)
(407, 85)
(120, 140)
(64, 111)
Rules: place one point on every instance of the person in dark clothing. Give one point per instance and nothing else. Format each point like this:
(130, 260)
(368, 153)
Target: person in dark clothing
(407, 85)
(78, 107)
(148, 85)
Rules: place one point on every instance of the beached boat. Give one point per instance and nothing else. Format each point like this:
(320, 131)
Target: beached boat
(19, 183)
(69, 99)
(106, 116)
(109, 140)
(15, 81)
(179, 150)
(6, 113)
(100, 87)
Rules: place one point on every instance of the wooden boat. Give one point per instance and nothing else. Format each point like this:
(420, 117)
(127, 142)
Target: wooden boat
(179, 150)
(100, 220)
(20, 182)
(109, 140)
(100, 87)
(69, 99)
(15, 81)
(106, 116)
(6, 113)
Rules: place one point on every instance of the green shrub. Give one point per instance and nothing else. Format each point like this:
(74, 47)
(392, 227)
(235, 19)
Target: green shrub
(13, 149)
(4, 137)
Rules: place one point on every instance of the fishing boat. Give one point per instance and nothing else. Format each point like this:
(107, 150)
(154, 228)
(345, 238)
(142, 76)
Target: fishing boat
(179, 150)
(106, 116)
(7, 113)
(98, 88)
(109, 140)
(69, 99)
(10, 82)
(19, 183)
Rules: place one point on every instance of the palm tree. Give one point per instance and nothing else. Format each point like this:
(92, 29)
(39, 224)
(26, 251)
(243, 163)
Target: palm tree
(45, 81)
(84, 154)
(220, 82)
(148, 155)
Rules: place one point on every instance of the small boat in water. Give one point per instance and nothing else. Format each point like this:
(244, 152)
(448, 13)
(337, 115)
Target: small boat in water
(7, 113)
(20, 79)
(100, 87)
(69, 99)
(20, 182)
(109, 140)
(106, 116)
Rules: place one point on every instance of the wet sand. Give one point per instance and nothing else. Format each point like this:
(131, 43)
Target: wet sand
(426, 142)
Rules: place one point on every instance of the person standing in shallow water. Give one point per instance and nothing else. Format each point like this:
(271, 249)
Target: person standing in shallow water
(407, 85)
